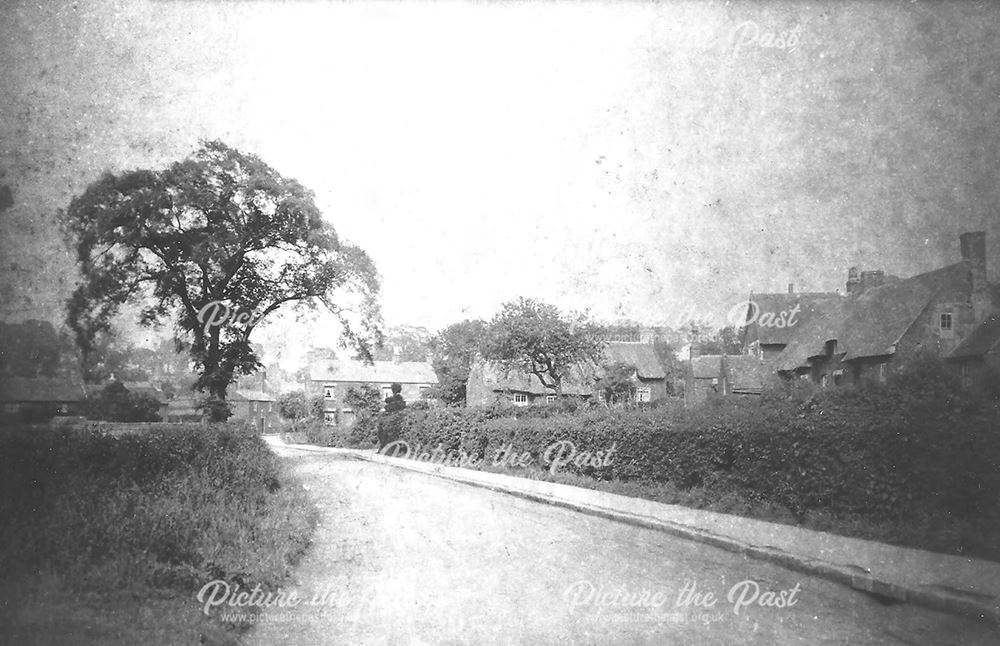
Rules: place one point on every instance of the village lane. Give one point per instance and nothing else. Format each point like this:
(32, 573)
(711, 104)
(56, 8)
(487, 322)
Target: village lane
(405, 558)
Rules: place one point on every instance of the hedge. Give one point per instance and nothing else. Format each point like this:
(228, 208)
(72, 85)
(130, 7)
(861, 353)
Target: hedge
(877, 451)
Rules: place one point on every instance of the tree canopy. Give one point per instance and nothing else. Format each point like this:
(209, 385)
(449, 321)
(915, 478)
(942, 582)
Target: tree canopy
(539, 339)
(453, 351)
(219, 232)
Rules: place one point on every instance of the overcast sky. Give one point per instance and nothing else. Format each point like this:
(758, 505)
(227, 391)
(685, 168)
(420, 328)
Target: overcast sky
(640, 160)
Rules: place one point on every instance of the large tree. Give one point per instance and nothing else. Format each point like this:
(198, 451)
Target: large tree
(218, 233)
(537, 338)
(453, 351)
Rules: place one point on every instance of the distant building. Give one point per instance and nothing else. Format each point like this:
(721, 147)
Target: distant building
(332, 378)
(256, 407)
(40, 398)
(719, 374)
(489, 383)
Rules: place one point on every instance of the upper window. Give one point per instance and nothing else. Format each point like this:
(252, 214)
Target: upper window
(945, 321)
(520, 398)
(328, 392)
(642, 394)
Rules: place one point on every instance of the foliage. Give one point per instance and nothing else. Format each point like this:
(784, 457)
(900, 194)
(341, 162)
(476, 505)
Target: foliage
(364, 400)
(404, 343)
(453, 351)
(536, 338)
(214, 409)
(617, 385)
(117, 404)
(884, 453)
(220, 228)
(170, 509)
(298, 406)
(726, 340)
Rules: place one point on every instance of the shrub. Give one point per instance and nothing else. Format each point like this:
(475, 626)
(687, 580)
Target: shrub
(116, 404)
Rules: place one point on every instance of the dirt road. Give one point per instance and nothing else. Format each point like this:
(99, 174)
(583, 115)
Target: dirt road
(404, 558)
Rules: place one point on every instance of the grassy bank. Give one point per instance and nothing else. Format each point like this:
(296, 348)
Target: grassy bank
(107, 540)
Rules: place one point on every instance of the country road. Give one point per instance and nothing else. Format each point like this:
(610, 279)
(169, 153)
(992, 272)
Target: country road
(405, 558)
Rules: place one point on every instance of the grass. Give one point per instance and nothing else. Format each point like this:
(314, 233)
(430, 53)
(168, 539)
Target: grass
(107, 540)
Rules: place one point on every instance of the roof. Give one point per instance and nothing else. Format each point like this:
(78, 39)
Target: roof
(40, 389)
(747, 373)
(251, 396)
(380, 372)
(707, 366)
(982, 340)
(872, 323)
(640, 355)
(810, 305)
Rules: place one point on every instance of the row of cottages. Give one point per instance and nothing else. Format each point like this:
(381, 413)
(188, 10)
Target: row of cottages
(883, 321)
(489, 384)
(333, 378)
(38, 398)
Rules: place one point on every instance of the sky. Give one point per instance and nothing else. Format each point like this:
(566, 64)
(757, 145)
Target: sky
(635, 160)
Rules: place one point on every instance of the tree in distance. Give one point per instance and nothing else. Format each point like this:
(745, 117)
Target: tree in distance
(536, 338)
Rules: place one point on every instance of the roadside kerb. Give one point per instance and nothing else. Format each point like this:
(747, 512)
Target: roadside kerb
(852, 576)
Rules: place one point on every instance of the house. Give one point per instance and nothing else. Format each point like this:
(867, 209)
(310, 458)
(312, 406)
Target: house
(883, 322)
(332, 378)
(40, 398)
(977, 358)
(773, 320)
(489, 383)
(257, 407)
(725, 374)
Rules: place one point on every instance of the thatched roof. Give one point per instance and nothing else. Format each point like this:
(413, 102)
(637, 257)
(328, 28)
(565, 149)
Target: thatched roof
(872, 323)
(381, 372)
(983, 340)
(640, 355)
(707, 366)
(747, 374)
(811, 305)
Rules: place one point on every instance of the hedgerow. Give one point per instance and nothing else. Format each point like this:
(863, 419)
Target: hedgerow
(880, 451)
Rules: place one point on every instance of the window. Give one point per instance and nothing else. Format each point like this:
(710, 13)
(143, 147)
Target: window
(881, 372)
(386, 391)
(10, 408)
(642, 394)
(824, 381)
(838, 377)
(966, 375)
(520, 398)
(328, 391)
(945, 322)
(549, 399)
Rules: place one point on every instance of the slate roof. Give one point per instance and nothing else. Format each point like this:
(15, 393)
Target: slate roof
(640, 355)
(382, 372)
(811, 305)
(982, 340)
(40, 389)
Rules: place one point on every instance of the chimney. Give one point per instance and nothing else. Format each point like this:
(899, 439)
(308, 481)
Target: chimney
(871, 279)
(973, 246)
(853, 282)
(791, 288)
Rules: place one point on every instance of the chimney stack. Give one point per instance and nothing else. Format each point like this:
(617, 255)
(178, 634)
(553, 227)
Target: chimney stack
(973, 246)
(853, 282)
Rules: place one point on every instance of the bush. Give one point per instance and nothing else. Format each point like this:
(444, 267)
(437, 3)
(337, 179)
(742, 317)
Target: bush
(116, 404)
